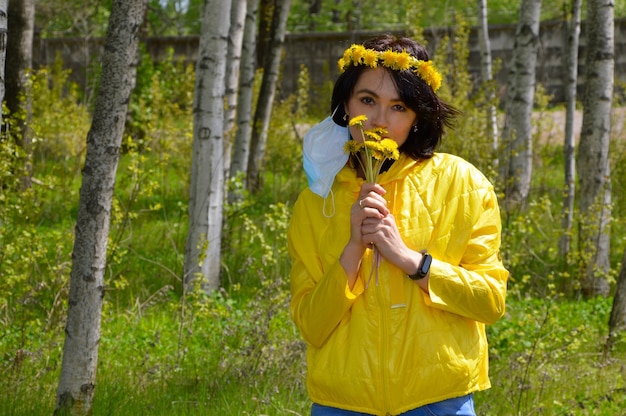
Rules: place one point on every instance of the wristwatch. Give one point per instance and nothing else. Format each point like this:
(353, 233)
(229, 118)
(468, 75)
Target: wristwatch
(423, 268)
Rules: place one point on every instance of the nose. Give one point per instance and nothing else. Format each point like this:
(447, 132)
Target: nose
(378, 118)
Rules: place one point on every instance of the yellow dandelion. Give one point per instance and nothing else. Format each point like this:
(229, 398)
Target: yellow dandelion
(403, 60)
(370, 58)
(358, 120)
(390, 149)
(429, 74)
(372, 135)
(389, 59)
(347, 54)
(352, 147)
(381, 131)
(358, 52)
(343, 63)
(375, 150)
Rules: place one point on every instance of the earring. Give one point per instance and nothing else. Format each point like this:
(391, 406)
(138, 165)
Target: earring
(415, 128)
(346, 117)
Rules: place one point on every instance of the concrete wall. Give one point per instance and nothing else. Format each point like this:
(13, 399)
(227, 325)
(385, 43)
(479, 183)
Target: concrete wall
(320, 52)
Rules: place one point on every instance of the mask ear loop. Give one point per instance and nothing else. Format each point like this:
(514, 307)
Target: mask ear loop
(332, 200)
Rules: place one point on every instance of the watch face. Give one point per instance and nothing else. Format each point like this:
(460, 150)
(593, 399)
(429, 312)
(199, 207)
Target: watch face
(425, 266)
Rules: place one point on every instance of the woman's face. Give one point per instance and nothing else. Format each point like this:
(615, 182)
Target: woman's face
(375, 96)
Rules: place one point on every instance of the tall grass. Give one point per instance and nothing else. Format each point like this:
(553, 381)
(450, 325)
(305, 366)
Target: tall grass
(236, 351)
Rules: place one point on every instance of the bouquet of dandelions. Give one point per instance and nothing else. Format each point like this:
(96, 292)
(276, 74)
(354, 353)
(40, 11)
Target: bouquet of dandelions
(375, 151)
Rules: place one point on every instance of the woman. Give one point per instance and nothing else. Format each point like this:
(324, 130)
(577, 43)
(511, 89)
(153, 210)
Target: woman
(393, 282)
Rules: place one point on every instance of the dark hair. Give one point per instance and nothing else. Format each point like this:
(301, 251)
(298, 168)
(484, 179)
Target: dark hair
(432, 113)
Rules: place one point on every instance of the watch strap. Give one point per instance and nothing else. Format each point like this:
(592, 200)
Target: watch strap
(423, 268)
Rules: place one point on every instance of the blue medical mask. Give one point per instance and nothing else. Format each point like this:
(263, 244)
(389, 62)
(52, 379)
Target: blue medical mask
(324, 154)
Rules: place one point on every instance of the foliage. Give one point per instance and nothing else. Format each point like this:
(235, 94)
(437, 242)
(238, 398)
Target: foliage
(469, 138)
(544, 354)
(86, 19)
(334, 16)
(53, 139)
(65, 18)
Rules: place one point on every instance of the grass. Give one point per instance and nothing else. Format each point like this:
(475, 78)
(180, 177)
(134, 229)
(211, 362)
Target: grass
(546, 358)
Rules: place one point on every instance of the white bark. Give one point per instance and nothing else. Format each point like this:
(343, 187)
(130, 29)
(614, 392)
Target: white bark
(571, 66)
(241, 146)
(271, 69)
(593, 154)
(517, 134)
(233, 62)
(486, 70)
(4, 4)
(204, 237)
(77, 380)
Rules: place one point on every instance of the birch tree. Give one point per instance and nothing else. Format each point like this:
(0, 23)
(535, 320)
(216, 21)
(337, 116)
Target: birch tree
(19, 61)
(3, 48)
(241, 146)
(233, 63)
(271, 68)
(571, 78)
(77, 382)
(206, 192)
(517, 132)
(593, 153)
(486, 70)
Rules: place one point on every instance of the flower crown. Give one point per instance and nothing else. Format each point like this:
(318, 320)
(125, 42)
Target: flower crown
(399, 61)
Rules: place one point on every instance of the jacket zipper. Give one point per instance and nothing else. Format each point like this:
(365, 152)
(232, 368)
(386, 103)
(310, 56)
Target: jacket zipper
(384, 353)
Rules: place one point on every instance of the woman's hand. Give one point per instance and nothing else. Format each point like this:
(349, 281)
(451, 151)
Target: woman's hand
(378, 228)
(376, 209)
(370, 206)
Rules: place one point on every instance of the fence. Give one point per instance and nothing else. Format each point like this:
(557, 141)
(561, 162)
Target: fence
(320, 52)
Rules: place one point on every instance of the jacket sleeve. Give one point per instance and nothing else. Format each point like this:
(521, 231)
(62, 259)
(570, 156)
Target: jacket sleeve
(320, 297)
(475, 287)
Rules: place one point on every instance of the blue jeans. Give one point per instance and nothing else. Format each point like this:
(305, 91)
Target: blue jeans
(458, 406)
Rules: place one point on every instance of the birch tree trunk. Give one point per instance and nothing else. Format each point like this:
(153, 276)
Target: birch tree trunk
(571, 65)
(241, 150)
(77, 382)
(233, 63)
(3, 48)
(617, 321)
(206, 193)
(19, 61)
(517, 134)
(486, 70)
(593, 154)
(271, 68)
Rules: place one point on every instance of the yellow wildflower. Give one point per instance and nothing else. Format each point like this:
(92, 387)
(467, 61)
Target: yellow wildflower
(372, 135)
(389, 59)
(358, 120)
(352, 147)
(403, 60)
(358, 52)
(370, 58)
(390, 149)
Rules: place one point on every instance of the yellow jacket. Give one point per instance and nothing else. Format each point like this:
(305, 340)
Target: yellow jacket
(386, 346)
